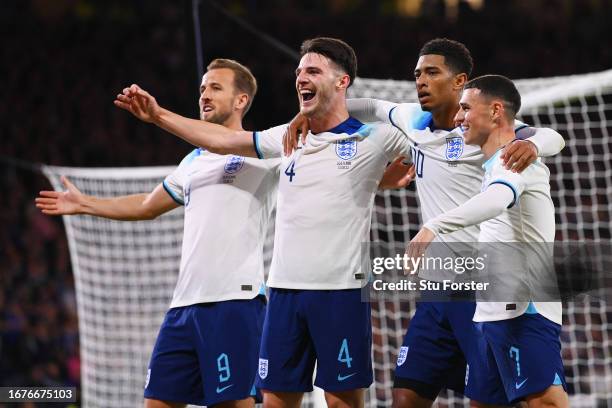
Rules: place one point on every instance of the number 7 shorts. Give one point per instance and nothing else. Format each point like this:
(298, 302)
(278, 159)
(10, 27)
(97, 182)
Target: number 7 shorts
(331, 327)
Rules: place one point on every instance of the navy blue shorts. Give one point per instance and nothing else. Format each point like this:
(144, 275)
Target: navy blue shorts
(438, 341)
(331, 327)
(520, 356)
(207, 353)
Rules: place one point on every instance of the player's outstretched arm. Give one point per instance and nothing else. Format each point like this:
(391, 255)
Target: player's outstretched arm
(124, 208)
(214, 138)
(483, 206)
(370, 110)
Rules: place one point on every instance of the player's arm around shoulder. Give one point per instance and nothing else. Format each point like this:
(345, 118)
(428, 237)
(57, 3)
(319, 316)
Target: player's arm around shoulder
(531, 143)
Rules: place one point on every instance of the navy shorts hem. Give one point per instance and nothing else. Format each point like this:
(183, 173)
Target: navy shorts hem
(422, 388)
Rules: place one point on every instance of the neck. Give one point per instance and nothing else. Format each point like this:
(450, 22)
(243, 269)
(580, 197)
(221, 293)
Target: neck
(234, 122)
(444, 118)
(329, 119)
(498, 138)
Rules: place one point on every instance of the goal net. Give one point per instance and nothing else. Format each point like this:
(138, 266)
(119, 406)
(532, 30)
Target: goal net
(125, 272)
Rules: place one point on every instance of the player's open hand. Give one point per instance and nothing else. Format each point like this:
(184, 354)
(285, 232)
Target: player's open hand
(518, 155)
(139, 103)
(298, 126)
(397, 175)
(417, 247)
(60, 202)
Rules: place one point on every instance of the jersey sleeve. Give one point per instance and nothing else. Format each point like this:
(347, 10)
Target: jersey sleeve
(408, 117)
(514, 181)
(269, 143)
(391, 141)
(175, 181)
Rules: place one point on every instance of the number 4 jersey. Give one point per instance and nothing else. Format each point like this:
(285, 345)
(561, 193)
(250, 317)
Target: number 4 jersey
(325, 200)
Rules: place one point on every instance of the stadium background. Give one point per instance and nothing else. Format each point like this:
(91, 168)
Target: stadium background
(63, 61)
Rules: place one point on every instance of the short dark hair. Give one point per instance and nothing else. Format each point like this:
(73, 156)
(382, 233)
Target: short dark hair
(244, 81)
(456, 55)
(498, 86)
(336, 50)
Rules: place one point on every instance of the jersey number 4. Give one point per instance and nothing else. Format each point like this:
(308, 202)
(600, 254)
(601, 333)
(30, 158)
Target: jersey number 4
(290, 171)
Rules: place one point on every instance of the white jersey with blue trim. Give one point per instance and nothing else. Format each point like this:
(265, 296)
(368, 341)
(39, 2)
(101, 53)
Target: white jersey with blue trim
(325, 201)
(530, 219)
(228, 202)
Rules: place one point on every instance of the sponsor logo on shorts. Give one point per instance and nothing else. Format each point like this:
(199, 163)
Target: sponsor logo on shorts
(401, 357)
(345, 377)
(263, 368)
(467, 373)
(220, 390)
(519, 385)
(148, 378)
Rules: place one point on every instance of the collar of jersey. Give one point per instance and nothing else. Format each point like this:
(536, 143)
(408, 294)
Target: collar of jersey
(349, 126)
(433, 127)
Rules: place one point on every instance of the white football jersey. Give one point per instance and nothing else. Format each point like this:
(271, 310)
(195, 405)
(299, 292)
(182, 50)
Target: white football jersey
(529, 219)
(325, 201)
(228, 201)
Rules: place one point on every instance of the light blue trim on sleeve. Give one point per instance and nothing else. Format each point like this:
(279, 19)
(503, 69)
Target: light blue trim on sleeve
(557, 380)
(256, 145)
(531, 309)
(505, 183)
(262, 289)
(364, 130)
(171, 193)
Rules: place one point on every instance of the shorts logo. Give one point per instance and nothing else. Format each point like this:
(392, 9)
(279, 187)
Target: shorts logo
(233, 164)
(454, 148)
(263, 368)
(401, 357)
(346, 149)
(148, 378)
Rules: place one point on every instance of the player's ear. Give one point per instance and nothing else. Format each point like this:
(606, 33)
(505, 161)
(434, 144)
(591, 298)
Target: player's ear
(497, 110)
(344, 82)
(241, 101)
(460, 81)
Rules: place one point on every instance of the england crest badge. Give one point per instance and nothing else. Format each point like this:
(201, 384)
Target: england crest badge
(401, 357)
(454, 147)
(346, 149)
(234, 164)
(263, 368)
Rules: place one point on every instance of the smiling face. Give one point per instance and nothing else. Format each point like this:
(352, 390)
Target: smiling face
(218, 95)
(317, 83)
(475, 116)
(437, 86)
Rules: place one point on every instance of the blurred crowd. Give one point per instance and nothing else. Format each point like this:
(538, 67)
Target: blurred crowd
(63, 62)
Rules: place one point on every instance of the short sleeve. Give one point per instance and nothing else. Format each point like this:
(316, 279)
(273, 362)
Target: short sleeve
(269, 143)
(175, 181)
(500, 175)
(391, 141)
(409, 116)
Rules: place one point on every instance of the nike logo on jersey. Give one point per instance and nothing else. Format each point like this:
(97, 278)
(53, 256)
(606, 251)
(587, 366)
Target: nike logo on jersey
(344, 377)
(220, 390)
(519, 385)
